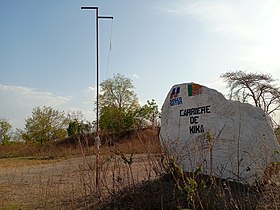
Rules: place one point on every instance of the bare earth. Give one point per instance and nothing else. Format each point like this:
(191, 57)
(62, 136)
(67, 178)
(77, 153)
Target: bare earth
(65, 184)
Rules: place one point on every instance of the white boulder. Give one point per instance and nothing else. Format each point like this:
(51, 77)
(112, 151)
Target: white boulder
(224, 138)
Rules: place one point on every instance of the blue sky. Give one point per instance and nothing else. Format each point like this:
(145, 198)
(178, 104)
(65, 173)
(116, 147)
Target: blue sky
(47, 48)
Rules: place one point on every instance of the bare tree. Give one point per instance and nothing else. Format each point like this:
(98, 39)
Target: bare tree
(255, 88)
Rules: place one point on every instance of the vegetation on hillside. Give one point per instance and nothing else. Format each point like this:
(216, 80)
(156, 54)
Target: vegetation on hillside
(120, 112)
(120, 109)
(5, 129)
(134, 172)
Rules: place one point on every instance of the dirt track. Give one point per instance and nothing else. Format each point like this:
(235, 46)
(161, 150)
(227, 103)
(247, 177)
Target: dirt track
(62, 184)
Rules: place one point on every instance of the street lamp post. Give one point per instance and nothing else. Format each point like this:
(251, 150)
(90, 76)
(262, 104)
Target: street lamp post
(97, 139)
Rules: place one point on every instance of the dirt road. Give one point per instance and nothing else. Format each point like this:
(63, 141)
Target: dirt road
(66, 183)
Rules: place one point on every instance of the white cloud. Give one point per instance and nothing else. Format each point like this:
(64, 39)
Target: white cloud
(17, 102)
(89, 95)
(254, 24)
(29, 96)
(237, 16)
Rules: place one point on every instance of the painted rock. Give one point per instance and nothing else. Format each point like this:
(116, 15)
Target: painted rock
(206, 132)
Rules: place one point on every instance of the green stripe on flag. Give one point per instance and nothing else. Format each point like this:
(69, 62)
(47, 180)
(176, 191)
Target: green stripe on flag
(190, 89)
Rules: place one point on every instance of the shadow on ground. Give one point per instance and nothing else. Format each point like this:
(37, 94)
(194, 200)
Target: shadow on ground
(169, 192)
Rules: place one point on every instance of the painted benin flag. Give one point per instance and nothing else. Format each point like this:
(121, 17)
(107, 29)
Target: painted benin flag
(194, 89)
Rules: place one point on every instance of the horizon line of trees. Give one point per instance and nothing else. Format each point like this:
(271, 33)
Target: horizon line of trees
(120, 110)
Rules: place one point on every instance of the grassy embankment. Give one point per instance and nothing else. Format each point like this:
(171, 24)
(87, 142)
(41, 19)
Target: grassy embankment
(132, 175)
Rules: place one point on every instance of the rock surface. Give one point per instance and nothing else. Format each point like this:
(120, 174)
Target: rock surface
(207, 132)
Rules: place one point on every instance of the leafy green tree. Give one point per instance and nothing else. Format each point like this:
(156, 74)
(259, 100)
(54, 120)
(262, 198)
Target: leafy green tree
(118, 103)
(118, 92)
(148, 112)
(120, 110)
(114, 119)
(45, 124)
(77, 127)
(5, 129)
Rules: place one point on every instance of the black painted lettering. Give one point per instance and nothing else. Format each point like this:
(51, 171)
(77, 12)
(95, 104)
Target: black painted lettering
(193, 111)
(208, 109)
(190, 111)
(192, 129)
(193, 120)
(182, 113)
(203, 109)
(196, 129)
(201, 129)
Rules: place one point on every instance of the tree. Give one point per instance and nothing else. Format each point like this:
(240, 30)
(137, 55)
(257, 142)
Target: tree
(118, 103)
(148, 112)
(118, 92)
(115, 119)
(77, 127)
(5, 129)
(120, 110)
(75, 115)
(255, 88)
(44, 125)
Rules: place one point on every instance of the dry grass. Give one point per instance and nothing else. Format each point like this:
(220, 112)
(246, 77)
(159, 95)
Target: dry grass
(142, 141)
(55, 179)
(133, 175)
(30, 150)
(192, 191)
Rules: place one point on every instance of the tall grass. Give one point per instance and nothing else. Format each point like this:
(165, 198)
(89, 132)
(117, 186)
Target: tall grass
(69, 183)
(134, 174)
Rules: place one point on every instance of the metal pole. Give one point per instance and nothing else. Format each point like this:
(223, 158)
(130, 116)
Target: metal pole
(97, 139)
(97, 76)
(97, 109)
